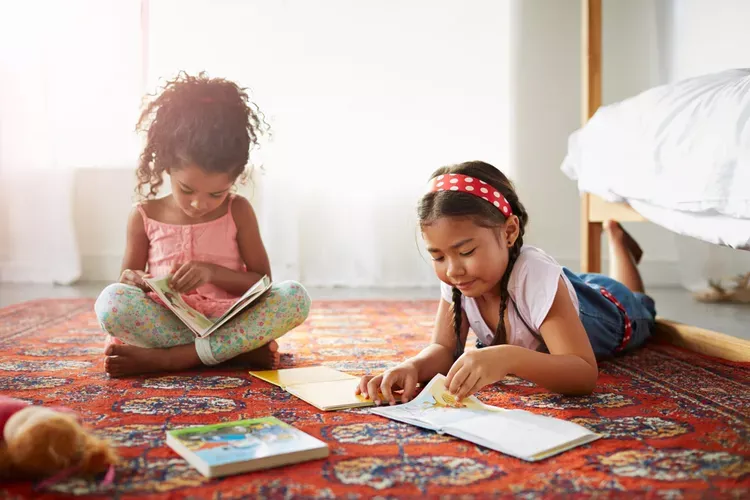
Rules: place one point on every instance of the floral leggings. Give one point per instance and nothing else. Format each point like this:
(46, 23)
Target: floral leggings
(128, 314)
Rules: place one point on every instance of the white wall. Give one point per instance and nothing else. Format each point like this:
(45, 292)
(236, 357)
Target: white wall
(545, 97)
(645, 43)
(103, 200)
(367, 99)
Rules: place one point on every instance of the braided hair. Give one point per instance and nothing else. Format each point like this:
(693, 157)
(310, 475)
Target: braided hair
(209, 122)
(435, 205)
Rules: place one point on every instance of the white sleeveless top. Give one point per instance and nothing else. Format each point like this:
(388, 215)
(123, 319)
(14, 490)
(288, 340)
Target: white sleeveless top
(532, 286)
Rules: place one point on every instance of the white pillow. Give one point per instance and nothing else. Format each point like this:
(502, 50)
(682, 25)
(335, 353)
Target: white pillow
(682, 146)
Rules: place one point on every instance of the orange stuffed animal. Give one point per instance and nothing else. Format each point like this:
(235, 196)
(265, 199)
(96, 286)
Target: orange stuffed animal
(39, 442)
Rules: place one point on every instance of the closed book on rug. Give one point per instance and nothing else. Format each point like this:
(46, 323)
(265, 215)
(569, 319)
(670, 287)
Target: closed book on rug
(244, 446)
(518, 433)
(324, 388)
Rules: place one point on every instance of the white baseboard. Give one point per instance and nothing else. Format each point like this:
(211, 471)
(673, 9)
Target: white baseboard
(37, 273)
(659, 273)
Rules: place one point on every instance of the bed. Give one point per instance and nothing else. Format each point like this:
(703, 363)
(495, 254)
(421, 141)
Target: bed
(728, 224)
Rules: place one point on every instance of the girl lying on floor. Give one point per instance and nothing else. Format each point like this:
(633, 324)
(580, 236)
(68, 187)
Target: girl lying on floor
(533, 318)
(200, 132)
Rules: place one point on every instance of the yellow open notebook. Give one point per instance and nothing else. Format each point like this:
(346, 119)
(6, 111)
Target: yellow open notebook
(324, 388)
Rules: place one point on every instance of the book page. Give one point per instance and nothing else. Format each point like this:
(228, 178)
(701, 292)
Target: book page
(306, 375)
(192, 318)
(520, 433)
(332, 395)
(436, 407)
(251, 295)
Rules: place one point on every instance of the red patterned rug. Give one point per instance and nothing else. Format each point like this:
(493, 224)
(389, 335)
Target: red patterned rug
(675, 424)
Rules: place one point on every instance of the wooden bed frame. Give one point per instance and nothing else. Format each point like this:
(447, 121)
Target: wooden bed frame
(595, 210)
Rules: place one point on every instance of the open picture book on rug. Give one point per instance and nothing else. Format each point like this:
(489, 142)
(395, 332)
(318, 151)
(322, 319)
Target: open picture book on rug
(324, 388)
(244, 446)
(518, 433)
(197, 322)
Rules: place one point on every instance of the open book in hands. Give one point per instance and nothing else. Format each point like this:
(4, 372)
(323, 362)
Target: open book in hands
(518, 433)
(197, 322)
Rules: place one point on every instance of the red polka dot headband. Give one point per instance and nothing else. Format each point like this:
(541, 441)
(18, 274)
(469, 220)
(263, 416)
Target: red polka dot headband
(471, 185)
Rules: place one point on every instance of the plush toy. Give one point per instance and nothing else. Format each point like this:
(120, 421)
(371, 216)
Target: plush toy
(40, 442)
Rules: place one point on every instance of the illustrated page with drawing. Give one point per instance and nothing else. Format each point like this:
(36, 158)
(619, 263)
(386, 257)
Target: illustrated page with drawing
(519, 433)
(435, 407)
(197, 322)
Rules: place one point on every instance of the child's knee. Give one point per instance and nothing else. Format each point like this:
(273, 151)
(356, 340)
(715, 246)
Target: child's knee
(296, 300)
(114, 300)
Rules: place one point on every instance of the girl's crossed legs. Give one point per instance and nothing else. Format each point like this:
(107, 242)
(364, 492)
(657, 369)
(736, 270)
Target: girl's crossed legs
(155, 340)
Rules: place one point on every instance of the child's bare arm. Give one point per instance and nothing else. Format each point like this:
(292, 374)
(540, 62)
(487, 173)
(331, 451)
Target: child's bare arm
(136, 252)
(438, 356)
(252, 251)
(570, 367)
(435, 358)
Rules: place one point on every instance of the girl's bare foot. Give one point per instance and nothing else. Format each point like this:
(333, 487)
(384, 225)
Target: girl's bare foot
(616, 233)
(266, 357)
(123, 360)
(624, 255)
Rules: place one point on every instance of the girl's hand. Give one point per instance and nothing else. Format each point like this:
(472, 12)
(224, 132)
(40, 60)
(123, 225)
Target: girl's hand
(403, 376)
(189, 276)
(474, 370)
(135, 278)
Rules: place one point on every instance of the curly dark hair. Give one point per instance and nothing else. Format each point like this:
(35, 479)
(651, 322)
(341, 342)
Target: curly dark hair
(209, 122)
(433, 206)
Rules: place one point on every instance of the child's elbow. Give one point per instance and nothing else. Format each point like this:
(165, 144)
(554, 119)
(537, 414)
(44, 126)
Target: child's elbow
(586, 386)
(580, 390)
(590, 383)
(587, 389)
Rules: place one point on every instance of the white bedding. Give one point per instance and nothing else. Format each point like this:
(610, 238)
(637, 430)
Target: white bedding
(679, 154)
(683, 146)
(712, 228)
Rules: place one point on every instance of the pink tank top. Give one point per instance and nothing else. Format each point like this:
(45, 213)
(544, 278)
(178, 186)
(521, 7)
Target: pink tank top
(214, 242)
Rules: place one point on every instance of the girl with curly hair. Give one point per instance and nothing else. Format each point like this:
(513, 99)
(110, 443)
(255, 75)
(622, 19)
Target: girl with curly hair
(199, 131)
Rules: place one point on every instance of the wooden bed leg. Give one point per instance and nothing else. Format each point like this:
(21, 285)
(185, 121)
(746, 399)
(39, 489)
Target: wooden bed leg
(591, 240)
(591, 98)
(594, 244)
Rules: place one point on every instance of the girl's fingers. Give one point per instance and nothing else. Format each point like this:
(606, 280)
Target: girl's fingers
(178, 271)
(127, 278)
(385, 388)
(452, 372)
(176, 279)
(184, 278)
(362, 387)
(410, 387)
(192, 284)
(458, 380)
(467, 387)
(372, 388)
